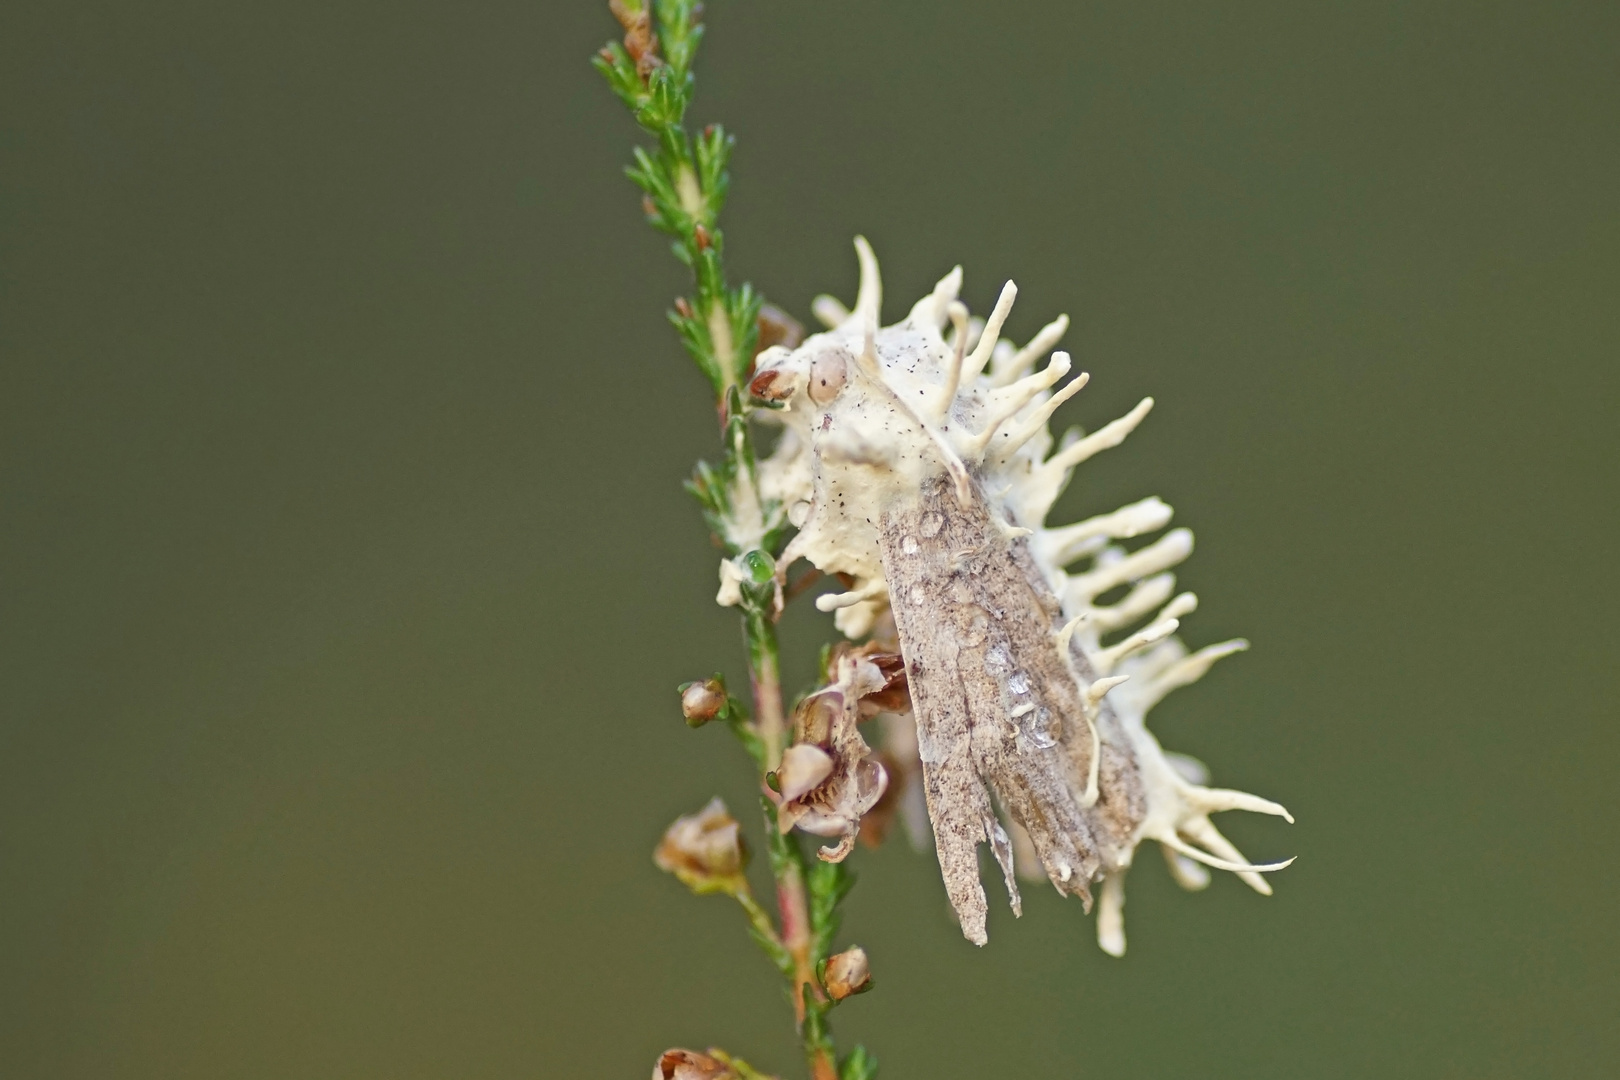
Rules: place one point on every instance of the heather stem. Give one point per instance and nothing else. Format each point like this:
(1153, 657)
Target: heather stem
(684, 183)
(770, 720)
(796, 933)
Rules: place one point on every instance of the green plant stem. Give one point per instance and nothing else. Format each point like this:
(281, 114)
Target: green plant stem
(796, 935)
(684, 182)
(765, 676)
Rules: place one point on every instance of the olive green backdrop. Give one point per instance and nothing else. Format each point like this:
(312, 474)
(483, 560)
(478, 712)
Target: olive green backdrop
(347, 576)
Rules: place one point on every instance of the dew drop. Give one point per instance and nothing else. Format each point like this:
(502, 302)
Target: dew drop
(1041, 730)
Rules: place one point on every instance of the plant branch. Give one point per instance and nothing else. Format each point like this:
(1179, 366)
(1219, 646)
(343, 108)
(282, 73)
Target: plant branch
(684, 183)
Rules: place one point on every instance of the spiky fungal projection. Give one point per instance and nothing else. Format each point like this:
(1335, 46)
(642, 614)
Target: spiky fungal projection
(916, 462)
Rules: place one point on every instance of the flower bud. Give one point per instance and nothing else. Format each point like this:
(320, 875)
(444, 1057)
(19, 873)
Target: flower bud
(704, 850)
(847, 973)
(678, 1064)
(702, 701)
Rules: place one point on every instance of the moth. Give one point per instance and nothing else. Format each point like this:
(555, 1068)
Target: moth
(916, 462)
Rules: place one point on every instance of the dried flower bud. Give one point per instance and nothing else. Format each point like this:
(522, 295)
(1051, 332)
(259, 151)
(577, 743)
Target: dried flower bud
(702, 701)
(829, 777)
(705, 850)
(888, 692)
(639, 41)
(678, 1064)
(847, 973)
(892, 701)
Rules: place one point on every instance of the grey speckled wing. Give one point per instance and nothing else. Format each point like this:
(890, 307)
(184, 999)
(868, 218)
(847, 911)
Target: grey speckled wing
(997, 705)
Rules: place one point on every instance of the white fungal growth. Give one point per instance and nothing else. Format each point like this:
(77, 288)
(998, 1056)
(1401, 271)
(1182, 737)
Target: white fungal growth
(900, 439)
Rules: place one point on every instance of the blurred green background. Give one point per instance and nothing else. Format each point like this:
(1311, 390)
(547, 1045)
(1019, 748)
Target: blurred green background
(347, 576)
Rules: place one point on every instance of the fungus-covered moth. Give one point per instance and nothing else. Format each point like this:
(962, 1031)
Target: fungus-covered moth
(916, 463)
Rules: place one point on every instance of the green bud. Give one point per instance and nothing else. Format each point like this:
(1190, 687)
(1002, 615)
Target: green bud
(760, 566)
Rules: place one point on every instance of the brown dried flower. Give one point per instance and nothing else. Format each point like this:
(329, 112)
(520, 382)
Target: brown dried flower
(639, 40)
(847, 973)
(829, 777)
(678, 1064)
(891, 702)
(705, 850)
(894, 696)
